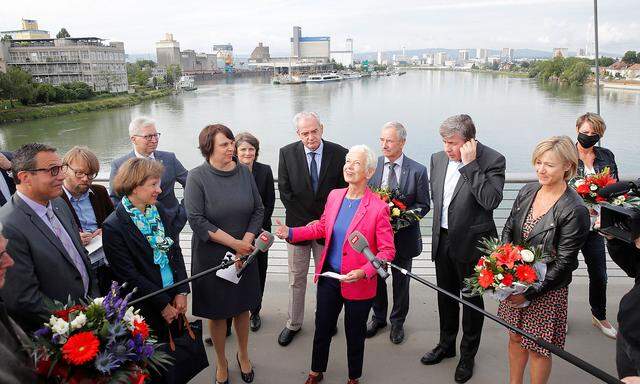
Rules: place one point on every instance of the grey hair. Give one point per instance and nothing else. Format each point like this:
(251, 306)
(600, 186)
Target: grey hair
(400, 129)
(138, 123)
(306, 115)
(458, 124)
(368, 154)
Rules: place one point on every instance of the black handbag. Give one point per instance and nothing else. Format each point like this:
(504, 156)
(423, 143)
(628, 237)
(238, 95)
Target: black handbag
(187, 350)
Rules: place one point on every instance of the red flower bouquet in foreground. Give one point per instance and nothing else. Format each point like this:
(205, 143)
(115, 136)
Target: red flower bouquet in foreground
(400, 216)
(102, 341)
(505, 269)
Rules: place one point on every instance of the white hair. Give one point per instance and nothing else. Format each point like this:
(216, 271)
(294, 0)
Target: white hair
(401, 131)
(138, 123)
(369, 156)
(306, 115)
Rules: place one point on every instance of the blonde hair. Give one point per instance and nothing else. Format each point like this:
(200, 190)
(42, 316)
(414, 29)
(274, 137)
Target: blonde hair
(563, 147)
(83, 154)
(597, 123)
(135, 172)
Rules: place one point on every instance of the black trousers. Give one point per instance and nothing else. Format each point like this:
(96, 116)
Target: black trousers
(450, 274)
(263, 264)
(627, 358)
(595, 258)
(328, 307)
(400, 286)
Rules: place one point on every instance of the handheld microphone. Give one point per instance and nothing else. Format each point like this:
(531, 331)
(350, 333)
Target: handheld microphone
(618, 189)
(360, 244)
(263, 242)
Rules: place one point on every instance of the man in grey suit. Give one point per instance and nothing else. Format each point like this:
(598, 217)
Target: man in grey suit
(44, 241)
(467, 179)
(145, 138)
(396, 170)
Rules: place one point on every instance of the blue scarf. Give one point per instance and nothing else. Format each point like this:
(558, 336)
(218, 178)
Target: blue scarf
(150, 225)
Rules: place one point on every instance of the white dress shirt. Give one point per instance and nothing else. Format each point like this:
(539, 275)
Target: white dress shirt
(151, 156)
(450, 181)
(318, 152)
(387, 168)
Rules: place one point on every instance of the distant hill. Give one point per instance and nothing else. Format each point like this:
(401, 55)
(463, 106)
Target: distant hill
(453, 53)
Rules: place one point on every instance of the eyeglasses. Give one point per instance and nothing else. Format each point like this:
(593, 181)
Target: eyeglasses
(53, 171)
(149, 137)
(80, 174)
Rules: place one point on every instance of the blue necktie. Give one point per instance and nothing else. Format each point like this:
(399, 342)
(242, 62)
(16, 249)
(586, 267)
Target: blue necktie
(313, 169)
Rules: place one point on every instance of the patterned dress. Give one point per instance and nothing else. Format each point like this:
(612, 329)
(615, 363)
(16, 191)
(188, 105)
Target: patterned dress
(545, 317)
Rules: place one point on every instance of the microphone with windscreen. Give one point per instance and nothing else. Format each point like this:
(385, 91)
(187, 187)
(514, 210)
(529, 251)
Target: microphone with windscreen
(360, 244)
(618, 189)
(263, 242)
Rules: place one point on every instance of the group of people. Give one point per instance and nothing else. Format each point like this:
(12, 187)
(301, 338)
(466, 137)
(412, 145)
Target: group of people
(52, 211)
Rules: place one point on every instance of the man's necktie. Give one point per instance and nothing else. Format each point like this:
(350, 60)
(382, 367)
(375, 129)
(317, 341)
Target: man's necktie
(313, 169)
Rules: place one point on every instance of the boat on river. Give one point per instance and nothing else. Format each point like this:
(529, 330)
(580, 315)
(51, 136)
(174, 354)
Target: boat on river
(323, 78)
(186, 83)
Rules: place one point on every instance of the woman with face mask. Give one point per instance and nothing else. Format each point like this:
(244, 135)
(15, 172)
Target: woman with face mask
(593, 159)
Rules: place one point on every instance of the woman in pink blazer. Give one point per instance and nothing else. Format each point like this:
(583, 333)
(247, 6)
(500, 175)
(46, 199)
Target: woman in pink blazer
(350, 209)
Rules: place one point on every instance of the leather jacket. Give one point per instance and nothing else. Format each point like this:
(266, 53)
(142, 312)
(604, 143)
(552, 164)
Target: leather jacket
(561, 232)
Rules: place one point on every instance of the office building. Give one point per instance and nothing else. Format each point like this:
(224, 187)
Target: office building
(440, 59)
(463, 55)
(481, 54)
(506, 54)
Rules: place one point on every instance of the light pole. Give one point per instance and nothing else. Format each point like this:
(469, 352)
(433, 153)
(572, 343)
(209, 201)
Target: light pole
(595, 23)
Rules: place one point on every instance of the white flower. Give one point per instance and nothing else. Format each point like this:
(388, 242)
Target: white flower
(52, 320)
(60, 327)
(390, 205)
(131, 316)
(79, 321)
(527, 256)
(499, 277)
(98, 300)
(593, 187)
(579, 182)
(477, 268)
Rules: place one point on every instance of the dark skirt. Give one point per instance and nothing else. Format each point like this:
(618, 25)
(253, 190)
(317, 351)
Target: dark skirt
(545, 317)
(215, 298)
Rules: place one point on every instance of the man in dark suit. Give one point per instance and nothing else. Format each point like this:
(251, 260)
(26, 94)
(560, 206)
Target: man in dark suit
(395, 170)
(467, 179)
(145, 138)
(7, 186)
(50, 261)
(89, 203)
(307, 171)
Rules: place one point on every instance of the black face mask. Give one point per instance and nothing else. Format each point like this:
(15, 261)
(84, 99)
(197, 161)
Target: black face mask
(588, 141)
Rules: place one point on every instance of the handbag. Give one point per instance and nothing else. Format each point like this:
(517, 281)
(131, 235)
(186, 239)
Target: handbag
(187, 350)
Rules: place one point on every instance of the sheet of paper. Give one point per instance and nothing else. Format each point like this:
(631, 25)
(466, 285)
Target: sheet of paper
(334, 275)
(230, 273)
(95, 244)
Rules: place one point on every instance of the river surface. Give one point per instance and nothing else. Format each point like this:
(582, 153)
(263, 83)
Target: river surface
(511, 115)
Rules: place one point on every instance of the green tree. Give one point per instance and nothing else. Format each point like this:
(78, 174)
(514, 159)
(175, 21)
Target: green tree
(145, 63)
(142, 76)
(605, 61)
(63, 33)
(576, 74)
(17, 84)
(173, 74)
(45, 93)
(630, 57)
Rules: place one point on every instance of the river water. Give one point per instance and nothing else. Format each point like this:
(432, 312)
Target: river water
(511, 115)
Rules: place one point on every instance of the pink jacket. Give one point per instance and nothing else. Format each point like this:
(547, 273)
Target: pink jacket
(372, 220)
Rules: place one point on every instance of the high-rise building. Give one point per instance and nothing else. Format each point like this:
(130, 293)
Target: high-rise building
(441, 58)
(29, 31)
(481, 54)
(463, 55)
(310, 48)
(507, 54)
(379, 58)
(168, 51)
(58, 61)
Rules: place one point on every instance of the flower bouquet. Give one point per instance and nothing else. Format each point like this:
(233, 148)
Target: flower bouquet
(400, 217)
(102, 341)
(505, 269)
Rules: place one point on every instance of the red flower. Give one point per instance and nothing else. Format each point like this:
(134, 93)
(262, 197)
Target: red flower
(399, 204)
(507, 280)
(583, 189)
(81, 348)
(481, 262)
(140, 328)
(138, 378)
(508, 255)
(64, 313)
(526, 274)
(59, 370)
(600, 199)
(485, 279)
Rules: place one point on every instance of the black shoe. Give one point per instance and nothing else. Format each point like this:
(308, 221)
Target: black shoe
(286, 336)
(464, 370)
(256, 322)
(215, 379)
(397, 334)
(436, 355)
(373, 326)
(246, 377)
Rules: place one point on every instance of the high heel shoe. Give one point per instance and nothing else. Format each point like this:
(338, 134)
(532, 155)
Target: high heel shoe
(246, 377)
(215, 377)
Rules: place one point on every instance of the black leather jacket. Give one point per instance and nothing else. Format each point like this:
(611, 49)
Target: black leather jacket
(604, 158)
(562, 231)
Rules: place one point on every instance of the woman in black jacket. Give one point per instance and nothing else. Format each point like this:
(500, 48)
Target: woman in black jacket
(143, 251)
(551, 215)
(247, 150)
(590, 128)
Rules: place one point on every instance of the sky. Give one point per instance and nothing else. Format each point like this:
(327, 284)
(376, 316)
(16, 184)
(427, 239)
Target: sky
(373, 25)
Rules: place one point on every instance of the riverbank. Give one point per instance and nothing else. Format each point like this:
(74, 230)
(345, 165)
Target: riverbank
(489, 71)
(43, 111)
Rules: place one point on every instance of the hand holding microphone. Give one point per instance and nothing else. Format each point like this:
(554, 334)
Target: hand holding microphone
(263, 242)
(360, 244)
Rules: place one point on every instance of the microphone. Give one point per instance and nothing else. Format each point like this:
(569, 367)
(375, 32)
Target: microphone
(360, 244)
(263, 242)
(618, 189)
